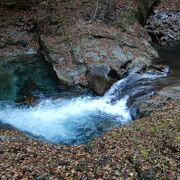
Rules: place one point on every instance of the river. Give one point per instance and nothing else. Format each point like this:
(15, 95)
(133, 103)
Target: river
(33, 101)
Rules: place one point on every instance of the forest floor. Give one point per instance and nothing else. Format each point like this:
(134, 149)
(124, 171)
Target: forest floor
(147, 149)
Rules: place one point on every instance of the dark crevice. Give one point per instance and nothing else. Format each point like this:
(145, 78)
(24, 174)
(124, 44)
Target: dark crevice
(156, 38)
(113, 74)
(144, 11)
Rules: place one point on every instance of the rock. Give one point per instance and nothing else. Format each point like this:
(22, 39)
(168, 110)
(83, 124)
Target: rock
(158, 101)
(87, 59)
(81, 46)
(164, 25)
(139, 63)
(97, 57)
(170, 92)
(23, 43)
(144, 9)
(71, 76)
(30, 100)
(160, 68)
(98, 77)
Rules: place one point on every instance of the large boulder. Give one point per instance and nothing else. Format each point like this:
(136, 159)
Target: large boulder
(110, 41)
(103, 55)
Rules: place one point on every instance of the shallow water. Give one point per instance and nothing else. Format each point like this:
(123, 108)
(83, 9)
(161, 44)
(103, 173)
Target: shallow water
(58, 114)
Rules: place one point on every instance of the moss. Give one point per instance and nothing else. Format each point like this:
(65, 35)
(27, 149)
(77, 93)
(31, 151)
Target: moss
(144, 151)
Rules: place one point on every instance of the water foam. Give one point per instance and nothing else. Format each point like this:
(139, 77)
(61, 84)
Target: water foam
(72, 120)
(57, 120)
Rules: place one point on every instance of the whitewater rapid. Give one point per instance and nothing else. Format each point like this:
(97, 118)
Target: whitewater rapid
(73, 120)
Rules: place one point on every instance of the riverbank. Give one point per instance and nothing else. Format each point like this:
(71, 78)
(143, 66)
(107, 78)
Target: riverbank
(147, 148)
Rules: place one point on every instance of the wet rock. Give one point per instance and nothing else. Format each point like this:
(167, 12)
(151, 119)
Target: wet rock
(71, 76)
(23, 43)
(144, 9)
(140, 63)
(31, 100)
(154, 103)
(98, 77)
(164, 25)
(160, 68)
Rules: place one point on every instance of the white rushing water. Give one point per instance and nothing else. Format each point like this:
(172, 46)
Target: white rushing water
(60, 119)
(70, 120)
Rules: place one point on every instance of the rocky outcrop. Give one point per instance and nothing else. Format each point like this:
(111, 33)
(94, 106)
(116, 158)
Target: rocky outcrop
(95, 55)
(164, 25)
(159, 100)
(82, 37)
(95, 43)
(100, 77)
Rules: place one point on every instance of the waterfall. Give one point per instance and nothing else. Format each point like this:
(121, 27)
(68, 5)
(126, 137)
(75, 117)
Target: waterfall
(75, 120)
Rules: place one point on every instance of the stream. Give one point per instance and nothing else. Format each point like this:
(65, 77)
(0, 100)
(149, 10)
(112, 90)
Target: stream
(33, 101)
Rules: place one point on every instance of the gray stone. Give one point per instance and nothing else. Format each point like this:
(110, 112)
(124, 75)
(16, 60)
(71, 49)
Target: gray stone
(158, 101)
(165, 25)
(139, 63)
(70, 76)
(98, 78)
